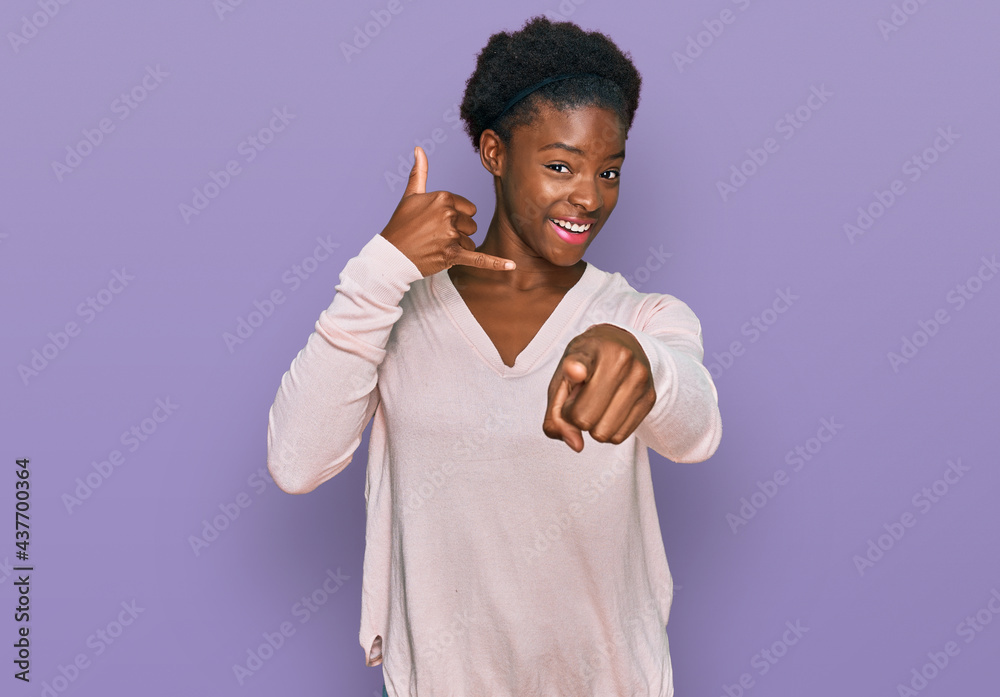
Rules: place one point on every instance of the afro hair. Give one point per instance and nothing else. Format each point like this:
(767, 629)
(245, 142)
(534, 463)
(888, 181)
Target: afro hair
(511, 62)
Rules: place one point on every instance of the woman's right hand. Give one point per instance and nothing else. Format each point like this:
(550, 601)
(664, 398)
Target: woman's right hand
(433, 229)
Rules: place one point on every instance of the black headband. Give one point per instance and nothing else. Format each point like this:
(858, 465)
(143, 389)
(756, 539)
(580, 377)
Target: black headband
(528, 90)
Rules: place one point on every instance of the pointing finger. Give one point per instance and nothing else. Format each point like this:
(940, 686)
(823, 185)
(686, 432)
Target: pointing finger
(468, 257)
(554, 426)
(565, 386)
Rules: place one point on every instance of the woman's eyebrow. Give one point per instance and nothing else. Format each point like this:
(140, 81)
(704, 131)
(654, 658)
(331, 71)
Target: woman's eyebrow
(578, 151)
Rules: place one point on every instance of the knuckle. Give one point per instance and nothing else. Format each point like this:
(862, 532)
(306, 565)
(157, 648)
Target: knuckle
(640, 372)
(624, 359)
(584, 423)
(620, 363)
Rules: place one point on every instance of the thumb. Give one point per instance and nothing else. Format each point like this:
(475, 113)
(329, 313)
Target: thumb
(417, 182)
(576, 371)
(576, 374)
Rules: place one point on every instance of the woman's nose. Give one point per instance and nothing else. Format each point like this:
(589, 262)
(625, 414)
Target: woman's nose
(586, 194)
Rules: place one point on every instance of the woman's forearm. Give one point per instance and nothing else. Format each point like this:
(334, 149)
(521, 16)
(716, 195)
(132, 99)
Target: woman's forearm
(329, 393)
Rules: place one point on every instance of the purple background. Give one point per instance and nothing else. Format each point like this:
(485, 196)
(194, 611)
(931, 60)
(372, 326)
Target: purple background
(62, 236)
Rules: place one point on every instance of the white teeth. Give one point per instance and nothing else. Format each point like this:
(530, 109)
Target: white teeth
(572, 227)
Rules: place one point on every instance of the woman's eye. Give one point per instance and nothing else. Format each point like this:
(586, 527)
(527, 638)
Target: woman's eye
(617, 174)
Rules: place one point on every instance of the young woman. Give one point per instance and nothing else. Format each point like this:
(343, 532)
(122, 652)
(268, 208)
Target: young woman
(513, 547)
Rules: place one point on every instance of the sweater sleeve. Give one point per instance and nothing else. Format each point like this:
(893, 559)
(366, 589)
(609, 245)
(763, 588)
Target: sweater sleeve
(684, 424)
(329, 393)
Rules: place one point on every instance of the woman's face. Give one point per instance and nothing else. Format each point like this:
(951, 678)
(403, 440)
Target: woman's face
(564, 166)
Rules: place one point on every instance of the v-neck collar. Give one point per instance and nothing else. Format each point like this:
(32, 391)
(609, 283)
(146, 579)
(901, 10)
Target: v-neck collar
(446, 292)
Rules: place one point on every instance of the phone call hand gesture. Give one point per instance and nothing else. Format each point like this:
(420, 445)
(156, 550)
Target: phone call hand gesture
(433, 229)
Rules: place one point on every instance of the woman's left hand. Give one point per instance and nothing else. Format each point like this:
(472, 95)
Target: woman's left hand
(603, 384)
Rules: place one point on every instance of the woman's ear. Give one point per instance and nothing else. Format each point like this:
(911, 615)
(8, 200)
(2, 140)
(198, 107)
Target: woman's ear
(491, 152)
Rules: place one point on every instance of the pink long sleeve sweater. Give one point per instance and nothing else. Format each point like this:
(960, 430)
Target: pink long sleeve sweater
(498, 561)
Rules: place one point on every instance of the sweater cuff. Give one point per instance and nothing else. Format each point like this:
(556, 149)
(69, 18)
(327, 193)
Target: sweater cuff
(382, 270)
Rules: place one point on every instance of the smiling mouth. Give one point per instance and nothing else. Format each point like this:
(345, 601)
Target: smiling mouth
(579, 236)
(571, 226)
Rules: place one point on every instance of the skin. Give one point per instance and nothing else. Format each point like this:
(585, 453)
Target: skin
(603, 382)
